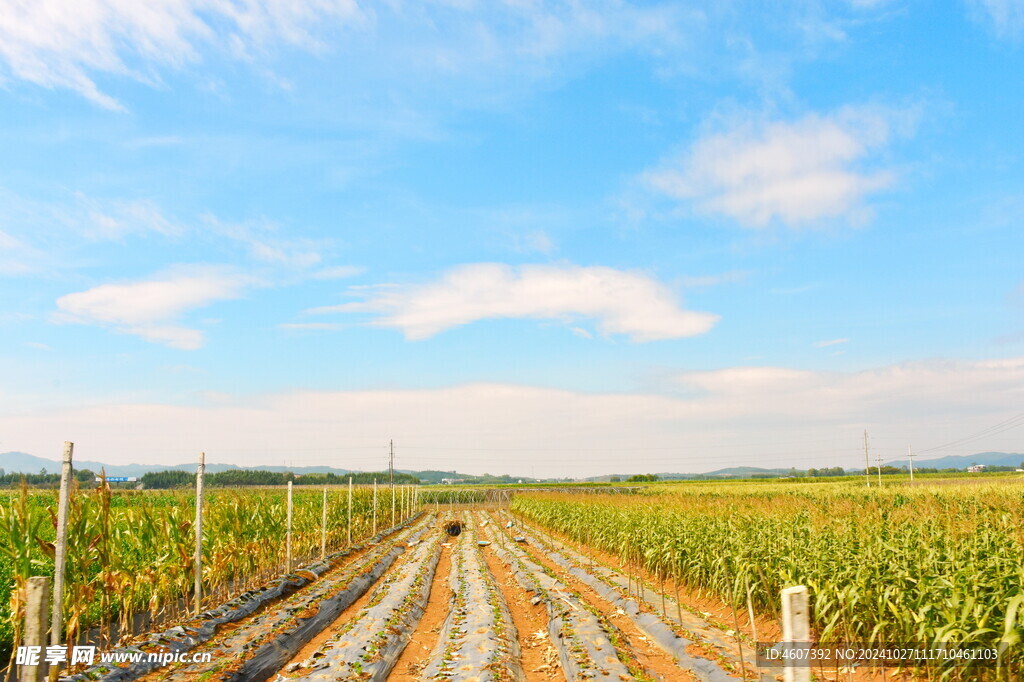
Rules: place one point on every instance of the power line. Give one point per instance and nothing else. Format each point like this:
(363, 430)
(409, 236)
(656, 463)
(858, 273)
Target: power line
(995, 429)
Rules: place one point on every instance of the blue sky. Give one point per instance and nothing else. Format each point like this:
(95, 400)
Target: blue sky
(543, 238)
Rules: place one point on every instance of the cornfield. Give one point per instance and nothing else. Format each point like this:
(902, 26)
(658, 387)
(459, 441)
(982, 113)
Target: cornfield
(130, 553)
(926, 565)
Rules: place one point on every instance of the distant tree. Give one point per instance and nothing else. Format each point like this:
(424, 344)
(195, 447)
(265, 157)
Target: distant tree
(163, 480)
(614, 479)
(642, 478)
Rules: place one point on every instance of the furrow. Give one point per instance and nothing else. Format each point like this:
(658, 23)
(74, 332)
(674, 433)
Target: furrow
(368, 647)
(585, 649)
(478, 641)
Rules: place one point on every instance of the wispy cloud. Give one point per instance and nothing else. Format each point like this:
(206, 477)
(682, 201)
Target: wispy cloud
(830, 342)
(1006, 17)
(621, 302)
(16, 257)
(797, 173)
(338, 272)
(150, 308)
(58, 44)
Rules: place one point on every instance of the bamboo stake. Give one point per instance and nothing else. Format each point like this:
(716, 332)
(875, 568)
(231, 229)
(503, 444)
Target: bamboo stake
(375, 506)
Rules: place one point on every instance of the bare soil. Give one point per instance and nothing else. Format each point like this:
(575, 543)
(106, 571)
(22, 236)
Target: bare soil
(417, 654)
(538, 655)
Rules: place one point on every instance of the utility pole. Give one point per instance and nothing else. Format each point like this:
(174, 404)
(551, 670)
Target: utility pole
(910, 456)
(391, 467)
(878, 463)
(867, 462)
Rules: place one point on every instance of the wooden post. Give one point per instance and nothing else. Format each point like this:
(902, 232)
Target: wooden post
(61, 544)
(796, 632)
(375, 506)
(37, 596)
(393, 500)
(323, 528)
(288, 534)
(198, 559)
(350, 511)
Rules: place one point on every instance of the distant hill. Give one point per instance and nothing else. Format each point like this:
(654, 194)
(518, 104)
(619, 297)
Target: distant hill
(731, 472)
(1009, 459)
(23, 463)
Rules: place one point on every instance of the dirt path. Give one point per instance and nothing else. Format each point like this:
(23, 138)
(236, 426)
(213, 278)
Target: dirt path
(417, 654)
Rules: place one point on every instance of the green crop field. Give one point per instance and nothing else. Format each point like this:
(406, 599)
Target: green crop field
(938, 563)
(131, 552)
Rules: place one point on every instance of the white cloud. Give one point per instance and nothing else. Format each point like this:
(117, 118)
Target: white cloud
(149, 308)
(621, 302)
(760, 416)
(799, 172)
(830, 342)
(927, 390)
(1005, 16)
(60, 43)
(66, 44)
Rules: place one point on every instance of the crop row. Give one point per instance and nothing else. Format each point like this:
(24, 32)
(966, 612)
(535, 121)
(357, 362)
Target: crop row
(920, 565)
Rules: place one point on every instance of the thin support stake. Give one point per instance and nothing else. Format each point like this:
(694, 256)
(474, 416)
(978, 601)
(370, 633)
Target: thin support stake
(753, 628)
(350, 511)
(288, 535)
(323, 527)
(198, 559)
(375, 506)
(61, 544)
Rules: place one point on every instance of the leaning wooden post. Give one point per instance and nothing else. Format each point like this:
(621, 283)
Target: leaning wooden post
(37, 598)
(796, 633)
(350, 511)
(60, 546)
(288, 532)
(198, 559)
(323, 527)
(375, 506)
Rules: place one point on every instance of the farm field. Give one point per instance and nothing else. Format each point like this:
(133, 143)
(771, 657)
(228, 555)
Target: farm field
(558, 586)
(130, 553)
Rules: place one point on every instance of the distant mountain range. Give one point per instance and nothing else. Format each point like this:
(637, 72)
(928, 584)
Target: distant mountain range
(23, 463)
(20, 462)
(1009, 459)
